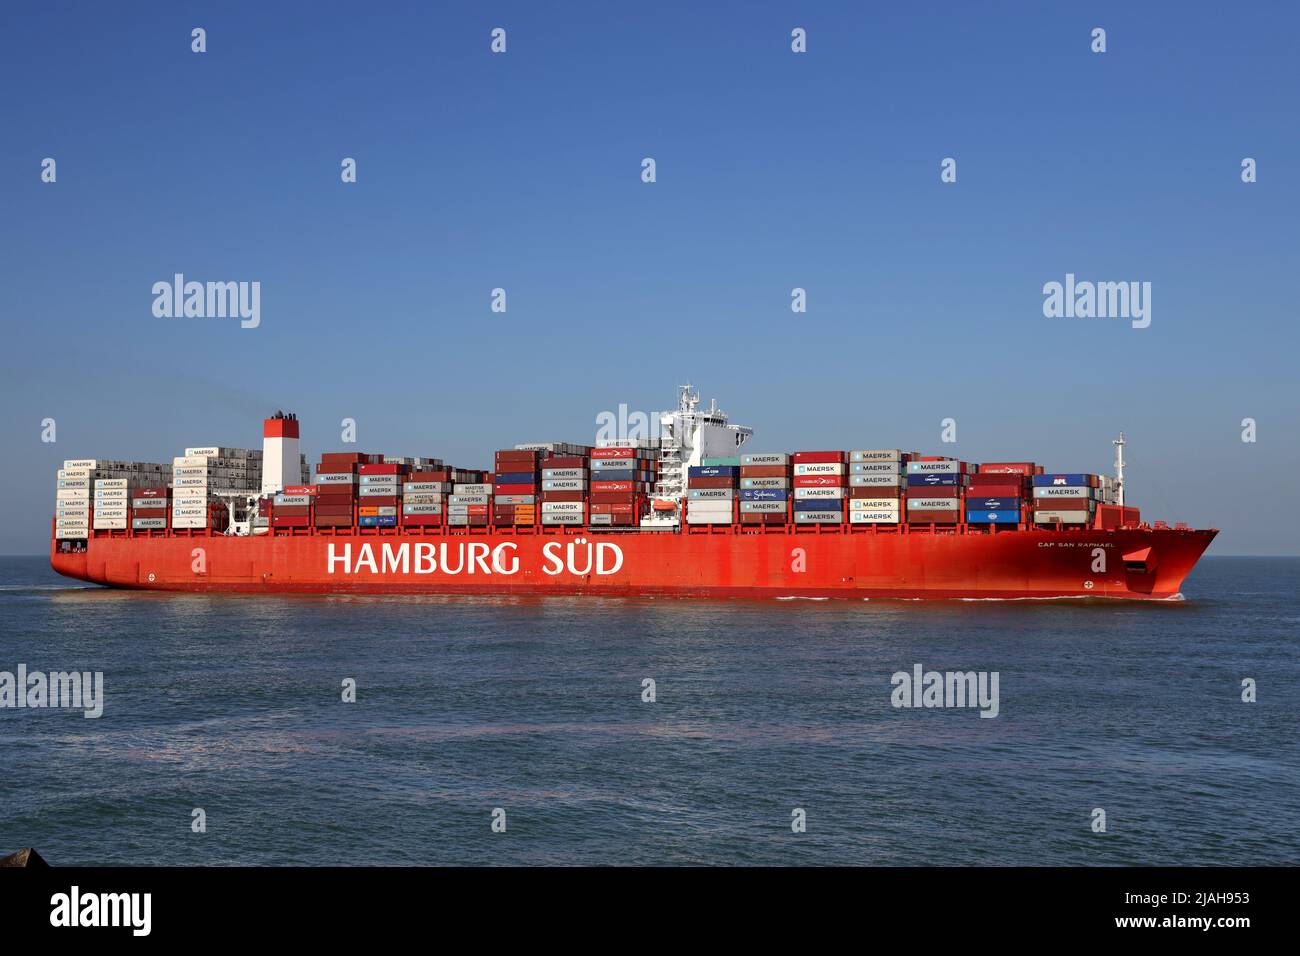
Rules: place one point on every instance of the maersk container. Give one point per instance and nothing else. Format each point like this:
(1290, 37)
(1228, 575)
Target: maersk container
(720, 494)
(933, 504)
(818, 468)
(280, 500)
(765, 482)
(877, 481)
(876, 454)
(772, 458)
(559, 474)
(148, 524)
(818, 517)
(947, 467)
(562, 507)
(753, 507)
(421, 509)
(995, 516)
(562, 518)
(764, 494)
(471, 499)
(479, 488)
(1064, 491)
(875, 504)
(876, 468)
(819, 494)
(873, 517)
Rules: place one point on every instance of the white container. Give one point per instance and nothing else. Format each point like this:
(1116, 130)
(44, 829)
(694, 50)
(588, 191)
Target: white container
(89, 464)
(873, 517)
(189, 522)
(1065, 517)
(189, 461)
(697, 517)
(73, 494)
(762, 507)
(473, 489)
(875, 504)
(876, 454)
(68, 474)
(764, 459)
(110, 483)
(804, 494)
(709, 508)
(1070, 491)
(71, 534)
(933, 504)
(110, 524)
(561, 507)
(551, 518)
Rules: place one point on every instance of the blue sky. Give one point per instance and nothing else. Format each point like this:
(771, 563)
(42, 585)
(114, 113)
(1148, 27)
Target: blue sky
(775, 171)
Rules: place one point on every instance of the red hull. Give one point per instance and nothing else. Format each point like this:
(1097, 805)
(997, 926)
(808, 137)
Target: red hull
(772, 562)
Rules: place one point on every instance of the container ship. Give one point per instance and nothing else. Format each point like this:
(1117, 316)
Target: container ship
(688, 512)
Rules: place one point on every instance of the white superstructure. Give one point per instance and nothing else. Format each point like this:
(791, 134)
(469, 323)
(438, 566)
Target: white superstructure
(687, 435)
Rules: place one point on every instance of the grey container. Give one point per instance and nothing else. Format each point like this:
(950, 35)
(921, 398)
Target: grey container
(818, 517)
(773, 458)
(551, 517)
(762, 507)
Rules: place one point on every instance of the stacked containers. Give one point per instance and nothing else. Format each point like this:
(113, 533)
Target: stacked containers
(619, 482)
(1065, 498)
(336, 488)
(565, 481)
(423, 494)
(379, 494)
(72, 499)
(149, 507)
(996, 493)
(292, 507)
(190, 491)
(470, 502)
(934, 490)
(765, 481)
(877, 481)
(820, 486)
(110, 504)
(711, 491)
(514, 486)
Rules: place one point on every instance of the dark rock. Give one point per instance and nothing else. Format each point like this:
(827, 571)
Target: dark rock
(26, 857)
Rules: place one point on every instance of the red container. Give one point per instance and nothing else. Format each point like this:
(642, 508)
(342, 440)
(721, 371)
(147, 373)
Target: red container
(722, 481)
(1007, 468)
(515, 489)
(942, 491)
(611, 498)
(344, 510)
(292, 511)
(818, 457)
(928, 517)
(299, 490)
(613, 453)
(421, 520)
(440, 475)
(996, 478)
(880, 492)
(600, 487)
(333, 521)
(821, 481)
(387, 468)
(343, 458)
(294, 522)
(528, 458)
(565, 461)
(764, 471)
(379, 501)
(611, 509)
(762, 517)
(562, 496)
(153, 491)
(995, 490)
(335, 468)
(1062, 504)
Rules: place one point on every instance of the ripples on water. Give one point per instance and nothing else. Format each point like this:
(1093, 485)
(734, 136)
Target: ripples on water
(232, 704)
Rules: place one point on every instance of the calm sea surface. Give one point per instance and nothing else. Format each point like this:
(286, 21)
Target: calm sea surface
(534, 706)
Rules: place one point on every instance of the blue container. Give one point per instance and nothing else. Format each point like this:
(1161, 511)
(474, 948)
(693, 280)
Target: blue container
(712, 471)
(1062, 481)
(819, 504)
(516, 477)
(992, 517)
(614, 474)
(931, 481)
(974, 504)
(764, 494)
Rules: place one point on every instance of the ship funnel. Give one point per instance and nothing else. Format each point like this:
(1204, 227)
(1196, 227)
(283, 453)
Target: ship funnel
(280, 455)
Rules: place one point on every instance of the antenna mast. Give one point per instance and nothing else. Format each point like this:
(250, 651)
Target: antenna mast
(1119, 467)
